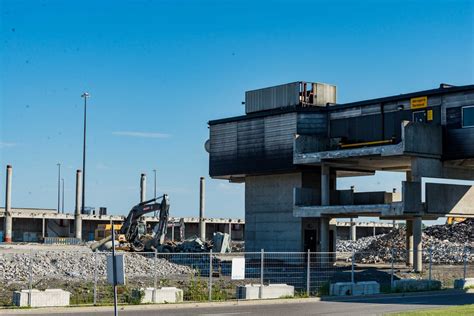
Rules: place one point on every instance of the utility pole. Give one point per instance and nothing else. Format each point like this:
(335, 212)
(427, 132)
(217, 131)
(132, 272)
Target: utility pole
(62, 199)
(85, 95)
(154, 192)
(59, 186)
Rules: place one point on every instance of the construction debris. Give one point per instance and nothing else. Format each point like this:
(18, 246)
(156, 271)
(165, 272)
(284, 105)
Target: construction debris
(80, 266)
(444, 243)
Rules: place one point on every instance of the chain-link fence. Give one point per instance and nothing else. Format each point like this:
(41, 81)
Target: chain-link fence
(208, 276)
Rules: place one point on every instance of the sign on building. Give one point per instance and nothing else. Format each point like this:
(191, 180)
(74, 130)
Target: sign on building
(238, 268)
(120, 269)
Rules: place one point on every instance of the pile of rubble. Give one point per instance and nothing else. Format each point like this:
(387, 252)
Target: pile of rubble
(81, 266)
(447, 244)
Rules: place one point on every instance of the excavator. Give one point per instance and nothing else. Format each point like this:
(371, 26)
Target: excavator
(134, 228)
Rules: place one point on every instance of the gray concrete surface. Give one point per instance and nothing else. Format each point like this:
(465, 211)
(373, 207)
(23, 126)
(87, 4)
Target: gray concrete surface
(359, 306)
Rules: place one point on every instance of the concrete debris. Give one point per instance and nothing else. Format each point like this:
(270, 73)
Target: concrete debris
(192, 245)
(448, 244)
(221, 242)
(80, 266)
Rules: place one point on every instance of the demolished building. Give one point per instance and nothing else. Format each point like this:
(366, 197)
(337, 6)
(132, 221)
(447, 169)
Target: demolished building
(295, 141)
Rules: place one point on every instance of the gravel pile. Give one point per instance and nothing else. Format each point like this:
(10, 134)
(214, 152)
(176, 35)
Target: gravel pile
(80, 266)
(449, 243)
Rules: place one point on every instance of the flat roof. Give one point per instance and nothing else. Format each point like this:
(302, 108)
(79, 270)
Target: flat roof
(292, 109)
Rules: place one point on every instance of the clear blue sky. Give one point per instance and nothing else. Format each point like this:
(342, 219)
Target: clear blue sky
(157, 71)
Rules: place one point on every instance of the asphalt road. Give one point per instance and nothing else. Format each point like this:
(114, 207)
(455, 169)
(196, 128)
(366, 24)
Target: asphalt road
(363, 306)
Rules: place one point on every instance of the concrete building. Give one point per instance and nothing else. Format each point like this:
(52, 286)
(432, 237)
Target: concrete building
(33, 224)
(295, 141)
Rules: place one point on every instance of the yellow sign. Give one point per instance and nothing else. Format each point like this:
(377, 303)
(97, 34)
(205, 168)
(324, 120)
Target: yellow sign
(418, 103)
(429, 115)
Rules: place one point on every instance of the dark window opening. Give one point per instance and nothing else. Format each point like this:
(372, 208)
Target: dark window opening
(468, 116)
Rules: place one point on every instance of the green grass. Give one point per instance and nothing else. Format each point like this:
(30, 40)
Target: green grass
(457, 310)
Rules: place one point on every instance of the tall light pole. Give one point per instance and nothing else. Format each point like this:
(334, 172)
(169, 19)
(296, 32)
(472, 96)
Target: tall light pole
(59, 186)
(62, 199)
(154, 192)
(85, 95)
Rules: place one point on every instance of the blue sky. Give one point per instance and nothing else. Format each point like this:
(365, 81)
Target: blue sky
(157, 71)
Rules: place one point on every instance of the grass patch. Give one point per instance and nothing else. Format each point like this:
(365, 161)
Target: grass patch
(447, 311)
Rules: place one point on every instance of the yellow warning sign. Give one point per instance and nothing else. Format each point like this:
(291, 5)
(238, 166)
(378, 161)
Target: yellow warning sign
(429, 115)
(418, 103)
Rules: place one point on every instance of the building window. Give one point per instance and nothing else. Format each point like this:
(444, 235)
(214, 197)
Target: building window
(468, 116)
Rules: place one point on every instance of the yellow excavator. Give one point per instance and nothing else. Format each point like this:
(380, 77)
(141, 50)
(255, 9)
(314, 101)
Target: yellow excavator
(453, 220)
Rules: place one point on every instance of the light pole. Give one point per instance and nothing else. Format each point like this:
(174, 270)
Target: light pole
(85, 95)
(59, 185)
(62, 206)
(154, 192)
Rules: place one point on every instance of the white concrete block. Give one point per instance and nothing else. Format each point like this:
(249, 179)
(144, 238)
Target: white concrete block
(359, 288)
(162, 295)
(48, 297)
(252, 291)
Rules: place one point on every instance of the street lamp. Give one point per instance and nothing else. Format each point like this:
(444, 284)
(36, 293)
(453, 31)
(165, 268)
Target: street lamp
(59, 185)
(85, 95)
(62, 206)
(154, 195)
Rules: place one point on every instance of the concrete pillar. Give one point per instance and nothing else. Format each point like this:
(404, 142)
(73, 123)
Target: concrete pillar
(324, 234)
(202, 196)
(353, 230)
(8, 207)
(43, 228)
(409, 242)
(230, 231)
(172, 232)
(325, 185)
(373, 230)
(77, 212)
(143, 188)
(417, 245)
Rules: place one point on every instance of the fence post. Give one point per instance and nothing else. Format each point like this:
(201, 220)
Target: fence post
(155, 281)
(352, 272)
(430, 250)
(260, 292)
(465, 264)
(30, 277)
(392, 252)
(95, 277)
(210, 275)
(308, 274)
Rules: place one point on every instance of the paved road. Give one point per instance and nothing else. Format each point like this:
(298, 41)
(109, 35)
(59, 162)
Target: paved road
(367, 306)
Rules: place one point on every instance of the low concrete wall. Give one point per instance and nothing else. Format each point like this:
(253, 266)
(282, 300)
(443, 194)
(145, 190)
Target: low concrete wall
(162, 295)
(252, 292)
(359, 288)
(416, 285)
(46, 298)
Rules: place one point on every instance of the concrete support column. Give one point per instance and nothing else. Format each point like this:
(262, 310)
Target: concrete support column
(324, 234)
(373, 231)
(8, 207)
(43, 228)
(409, 241)
(325, 185)
(353, 230)
(143, 187)
(77, 212)
(202, 197)
(417, 245)
(230, 231)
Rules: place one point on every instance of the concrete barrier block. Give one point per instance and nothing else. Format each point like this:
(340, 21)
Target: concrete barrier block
(359, 288)
(46, 298)
(162, 295)
(464, 283)
(252, 291)
(409, 285)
